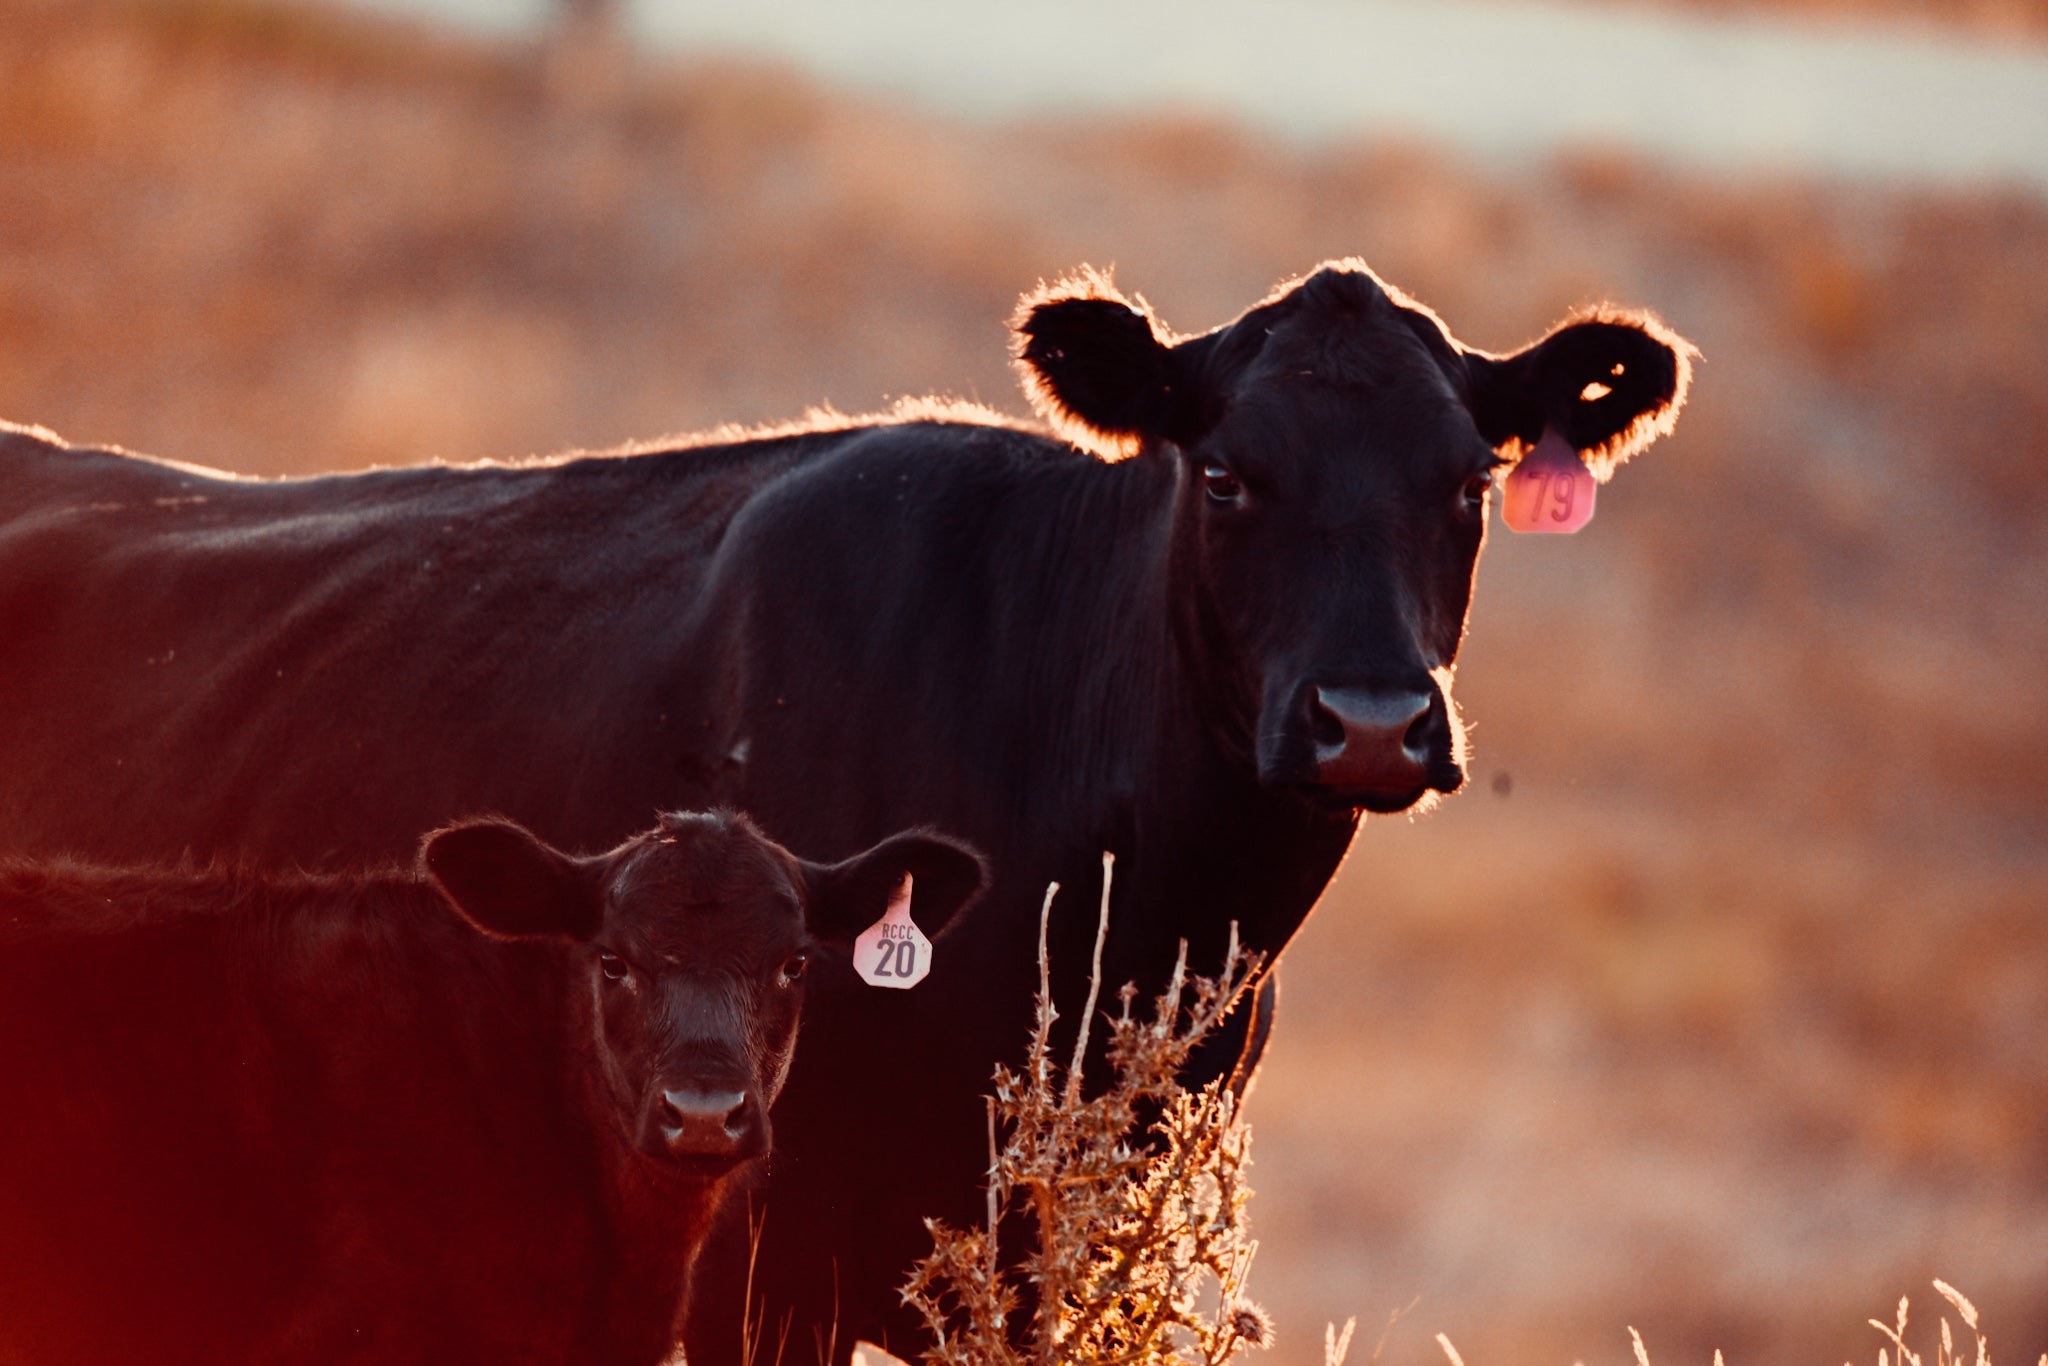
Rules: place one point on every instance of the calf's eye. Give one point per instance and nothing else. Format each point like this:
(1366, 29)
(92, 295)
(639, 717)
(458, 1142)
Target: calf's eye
(1220, 484)
(614, 968)
(793, 969)
(1476, 488)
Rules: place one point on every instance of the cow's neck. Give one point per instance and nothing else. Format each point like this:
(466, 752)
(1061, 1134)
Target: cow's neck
(656, 1229)
(644, 1231)
(1160, 758)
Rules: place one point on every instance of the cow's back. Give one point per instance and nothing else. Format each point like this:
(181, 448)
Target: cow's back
(318, 670)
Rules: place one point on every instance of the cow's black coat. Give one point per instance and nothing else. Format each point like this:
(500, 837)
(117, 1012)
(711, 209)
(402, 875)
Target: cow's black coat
(321, 1119)
(1209, 656)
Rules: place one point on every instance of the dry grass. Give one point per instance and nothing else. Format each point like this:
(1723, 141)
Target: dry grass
(1948, 1348)
(1135, 1197)
(1715, 1005)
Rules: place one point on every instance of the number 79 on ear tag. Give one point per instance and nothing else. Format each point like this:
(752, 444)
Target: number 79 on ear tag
(1549, 489)
(893, 951)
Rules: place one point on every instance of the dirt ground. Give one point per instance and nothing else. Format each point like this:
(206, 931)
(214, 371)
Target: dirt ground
(1717, 1005)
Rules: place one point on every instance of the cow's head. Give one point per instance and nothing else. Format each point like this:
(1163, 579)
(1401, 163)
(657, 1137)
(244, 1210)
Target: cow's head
(1335, 450)
(687, 947)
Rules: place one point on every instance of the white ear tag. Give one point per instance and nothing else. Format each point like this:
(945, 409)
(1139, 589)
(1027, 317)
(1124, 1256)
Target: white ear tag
(867, 1354)
(1549, 489)
(893, 951)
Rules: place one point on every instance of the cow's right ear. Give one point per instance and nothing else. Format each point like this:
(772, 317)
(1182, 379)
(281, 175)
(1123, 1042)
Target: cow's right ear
(1098, 367)
(511, 884)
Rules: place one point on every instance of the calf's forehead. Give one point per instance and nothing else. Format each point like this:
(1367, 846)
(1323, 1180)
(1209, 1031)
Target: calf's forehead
(706, 886)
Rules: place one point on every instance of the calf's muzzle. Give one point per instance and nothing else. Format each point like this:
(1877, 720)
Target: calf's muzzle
(721, 1125)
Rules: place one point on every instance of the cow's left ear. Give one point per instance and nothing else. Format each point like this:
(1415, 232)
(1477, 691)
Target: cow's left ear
(1609, 381)
(846, 898)
(510, 883)
(1099, 367)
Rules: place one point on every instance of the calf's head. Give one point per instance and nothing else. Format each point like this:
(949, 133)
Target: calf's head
(1334, 451)
(687, 947)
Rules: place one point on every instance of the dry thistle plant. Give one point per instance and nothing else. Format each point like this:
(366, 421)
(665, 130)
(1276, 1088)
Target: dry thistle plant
(1136, 1196)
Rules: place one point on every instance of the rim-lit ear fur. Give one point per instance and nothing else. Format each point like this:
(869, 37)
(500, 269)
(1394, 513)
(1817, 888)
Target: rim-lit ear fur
(510, 884)
(1097, 366)
(846, 898)
(1610, 381)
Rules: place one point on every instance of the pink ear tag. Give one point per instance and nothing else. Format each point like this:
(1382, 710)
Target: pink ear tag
(893, 951)
(1549, 489)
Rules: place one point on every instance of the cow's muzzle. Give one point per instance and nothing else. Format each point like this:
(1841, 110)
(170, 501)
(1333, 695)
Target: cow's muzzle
(1365, 737)
(705, 1129)
(1380, 748)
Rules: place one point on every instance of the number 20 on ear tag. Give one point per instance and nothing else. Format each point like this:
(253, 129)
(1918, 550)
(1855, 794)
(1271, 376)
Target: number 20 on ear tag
(1549, 489)
(893, 951)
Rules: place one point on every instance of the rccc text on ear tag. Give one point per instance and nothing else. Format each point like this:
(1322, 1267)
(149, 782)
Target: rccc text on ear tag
(893, 951)
(1549, 489)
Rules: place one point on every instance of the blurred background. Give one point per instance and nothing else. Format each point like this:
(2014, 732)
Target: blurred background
(1717, 1005)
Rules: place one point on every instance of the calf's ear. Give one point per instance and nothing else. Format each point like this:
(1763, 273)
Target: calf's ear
(1099, 368)
(1610, 382)
(509, 883)
(846, 898)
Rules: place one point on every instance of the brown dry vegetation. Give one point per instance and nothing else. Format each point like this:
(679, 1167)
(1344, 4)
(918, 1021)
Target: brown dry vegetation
(1717, 1005)
(1133, 1197)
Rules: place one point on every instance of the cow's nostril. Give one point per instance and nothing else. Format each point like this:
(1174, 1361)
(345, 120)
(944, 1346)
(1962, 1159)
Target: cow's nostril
(1420, 739)
(1326, 728)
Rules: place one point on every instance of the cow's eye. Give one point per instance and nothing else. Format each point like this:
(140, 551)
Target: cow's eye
(793, 968)
(614, 968)
(1476, 489)
(1220, 484)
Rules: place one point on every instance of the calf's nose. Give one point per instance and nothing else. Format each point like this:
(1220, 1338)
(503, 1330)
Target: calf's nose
(1372, 738)
(723, 1124)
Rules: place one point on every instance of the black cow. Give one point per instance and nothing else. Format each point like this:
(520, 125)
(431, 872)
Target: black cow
(319, 1119)
(1209, 656)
